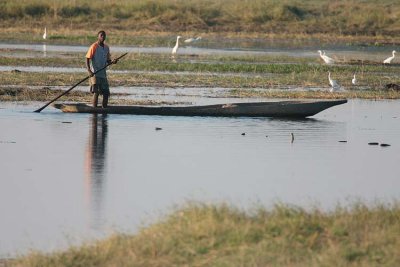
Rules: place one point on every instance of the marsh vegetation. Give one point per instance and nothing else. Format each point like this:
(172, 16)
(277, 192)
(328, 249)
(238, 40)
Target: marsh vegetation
(218, 235)
(222, 235)
(292, 77)
(221, 23)
(336, 18)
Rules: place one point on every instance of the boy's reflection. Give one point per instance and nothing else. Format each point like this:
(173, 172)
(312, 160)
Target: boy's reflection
(95, 167)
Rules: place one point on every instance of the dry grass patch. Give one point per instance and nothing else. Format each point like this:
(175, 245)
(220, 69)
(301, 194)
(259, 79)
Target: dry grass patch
(222, 235)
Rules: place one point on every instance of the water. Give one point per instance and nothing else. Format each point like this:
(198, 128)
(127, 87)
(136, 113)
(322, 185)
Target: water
(338, 52)
(70, 178)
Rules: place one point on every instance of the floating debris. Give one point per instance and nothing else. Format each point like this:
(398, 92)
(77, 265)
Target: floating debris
(15, 71)
(8, 142)
(373, 143)
(292, 137)
(158, 128)
(66, 122)
(243, 133)
(342, 141)
(384, 145)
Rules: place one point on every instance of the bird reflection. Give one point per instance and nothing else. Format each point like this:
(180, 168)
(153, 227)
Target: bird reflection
(95, 168)
(44, 48)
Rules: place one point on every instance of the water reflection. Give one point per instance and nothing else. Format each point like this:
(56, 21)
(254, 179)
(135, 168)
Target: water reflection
(44, 50)
(95, 168)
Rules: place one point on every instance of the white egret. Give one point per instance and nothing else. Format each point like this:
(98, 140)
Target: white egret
(354, 80)
(334, 84)
(175, 49)
(191, 40)
(325, 58)
(328, 60)
(45, 33)
(320, 54)
(389, 59)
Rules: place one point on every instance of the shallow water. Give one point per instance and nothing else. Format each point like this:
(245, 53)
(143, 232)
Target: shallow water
(338, 52)
(69, 178)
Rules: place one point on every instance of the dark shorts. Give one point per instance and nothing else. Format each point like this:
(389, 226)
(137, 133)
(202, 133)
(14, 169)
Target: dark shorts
(99, 85)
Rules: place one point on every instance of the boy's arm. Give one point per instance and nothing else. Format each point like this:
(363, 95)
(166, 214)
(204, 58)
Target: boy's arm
(88, 67)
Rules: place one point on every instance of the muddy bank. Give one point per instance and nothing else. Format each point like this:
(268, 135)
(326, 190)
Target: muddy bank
(47, 94)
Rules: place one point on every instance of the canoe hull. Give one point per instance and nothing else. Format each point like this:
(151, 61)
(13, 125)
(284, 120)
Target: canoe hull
(298, 109)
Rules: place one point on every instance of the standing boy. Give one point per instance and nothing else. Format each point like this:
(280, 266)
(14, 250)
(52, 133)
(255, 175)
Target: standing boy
(98, 57)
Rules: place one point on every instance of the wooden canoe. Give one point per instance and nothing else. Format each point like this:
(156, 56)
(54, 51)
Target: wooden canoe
(295, 109)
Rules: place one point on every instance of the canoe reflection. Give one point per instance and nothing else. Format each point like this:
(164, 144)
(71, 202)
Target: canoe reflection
(95, 168)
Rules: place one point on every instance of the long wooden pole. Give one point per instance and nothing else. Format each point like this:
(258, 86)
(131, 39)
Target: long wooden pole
(81, 81)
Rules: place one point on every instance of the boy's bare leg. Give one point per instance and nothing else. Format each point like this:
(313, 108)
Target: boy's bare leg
(95, 99)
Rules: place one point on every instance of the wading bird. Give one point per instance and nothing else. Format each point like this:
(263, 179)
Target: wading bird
(354, 80)
(191, 40)
(45, 34)
(389, 59)
(175, 49)
(325, 58)
(334, 84)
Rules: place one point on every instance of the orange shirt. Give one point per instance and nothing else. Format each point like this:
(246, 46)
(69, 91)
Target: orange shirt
(99, 55)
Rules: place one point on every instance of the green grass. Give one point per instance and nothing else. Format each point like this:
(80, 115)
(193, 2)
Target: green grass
(222, 235)
(223, 64)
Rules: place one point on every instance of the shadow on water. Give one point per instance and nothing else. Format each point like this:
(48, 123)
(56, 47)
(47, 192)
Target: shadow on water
(95, 168)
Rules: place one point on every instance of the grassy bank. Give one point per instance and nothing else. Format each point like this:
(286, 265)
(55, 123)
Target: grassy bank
(22, 94)
(355, 17)
(221, 235)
